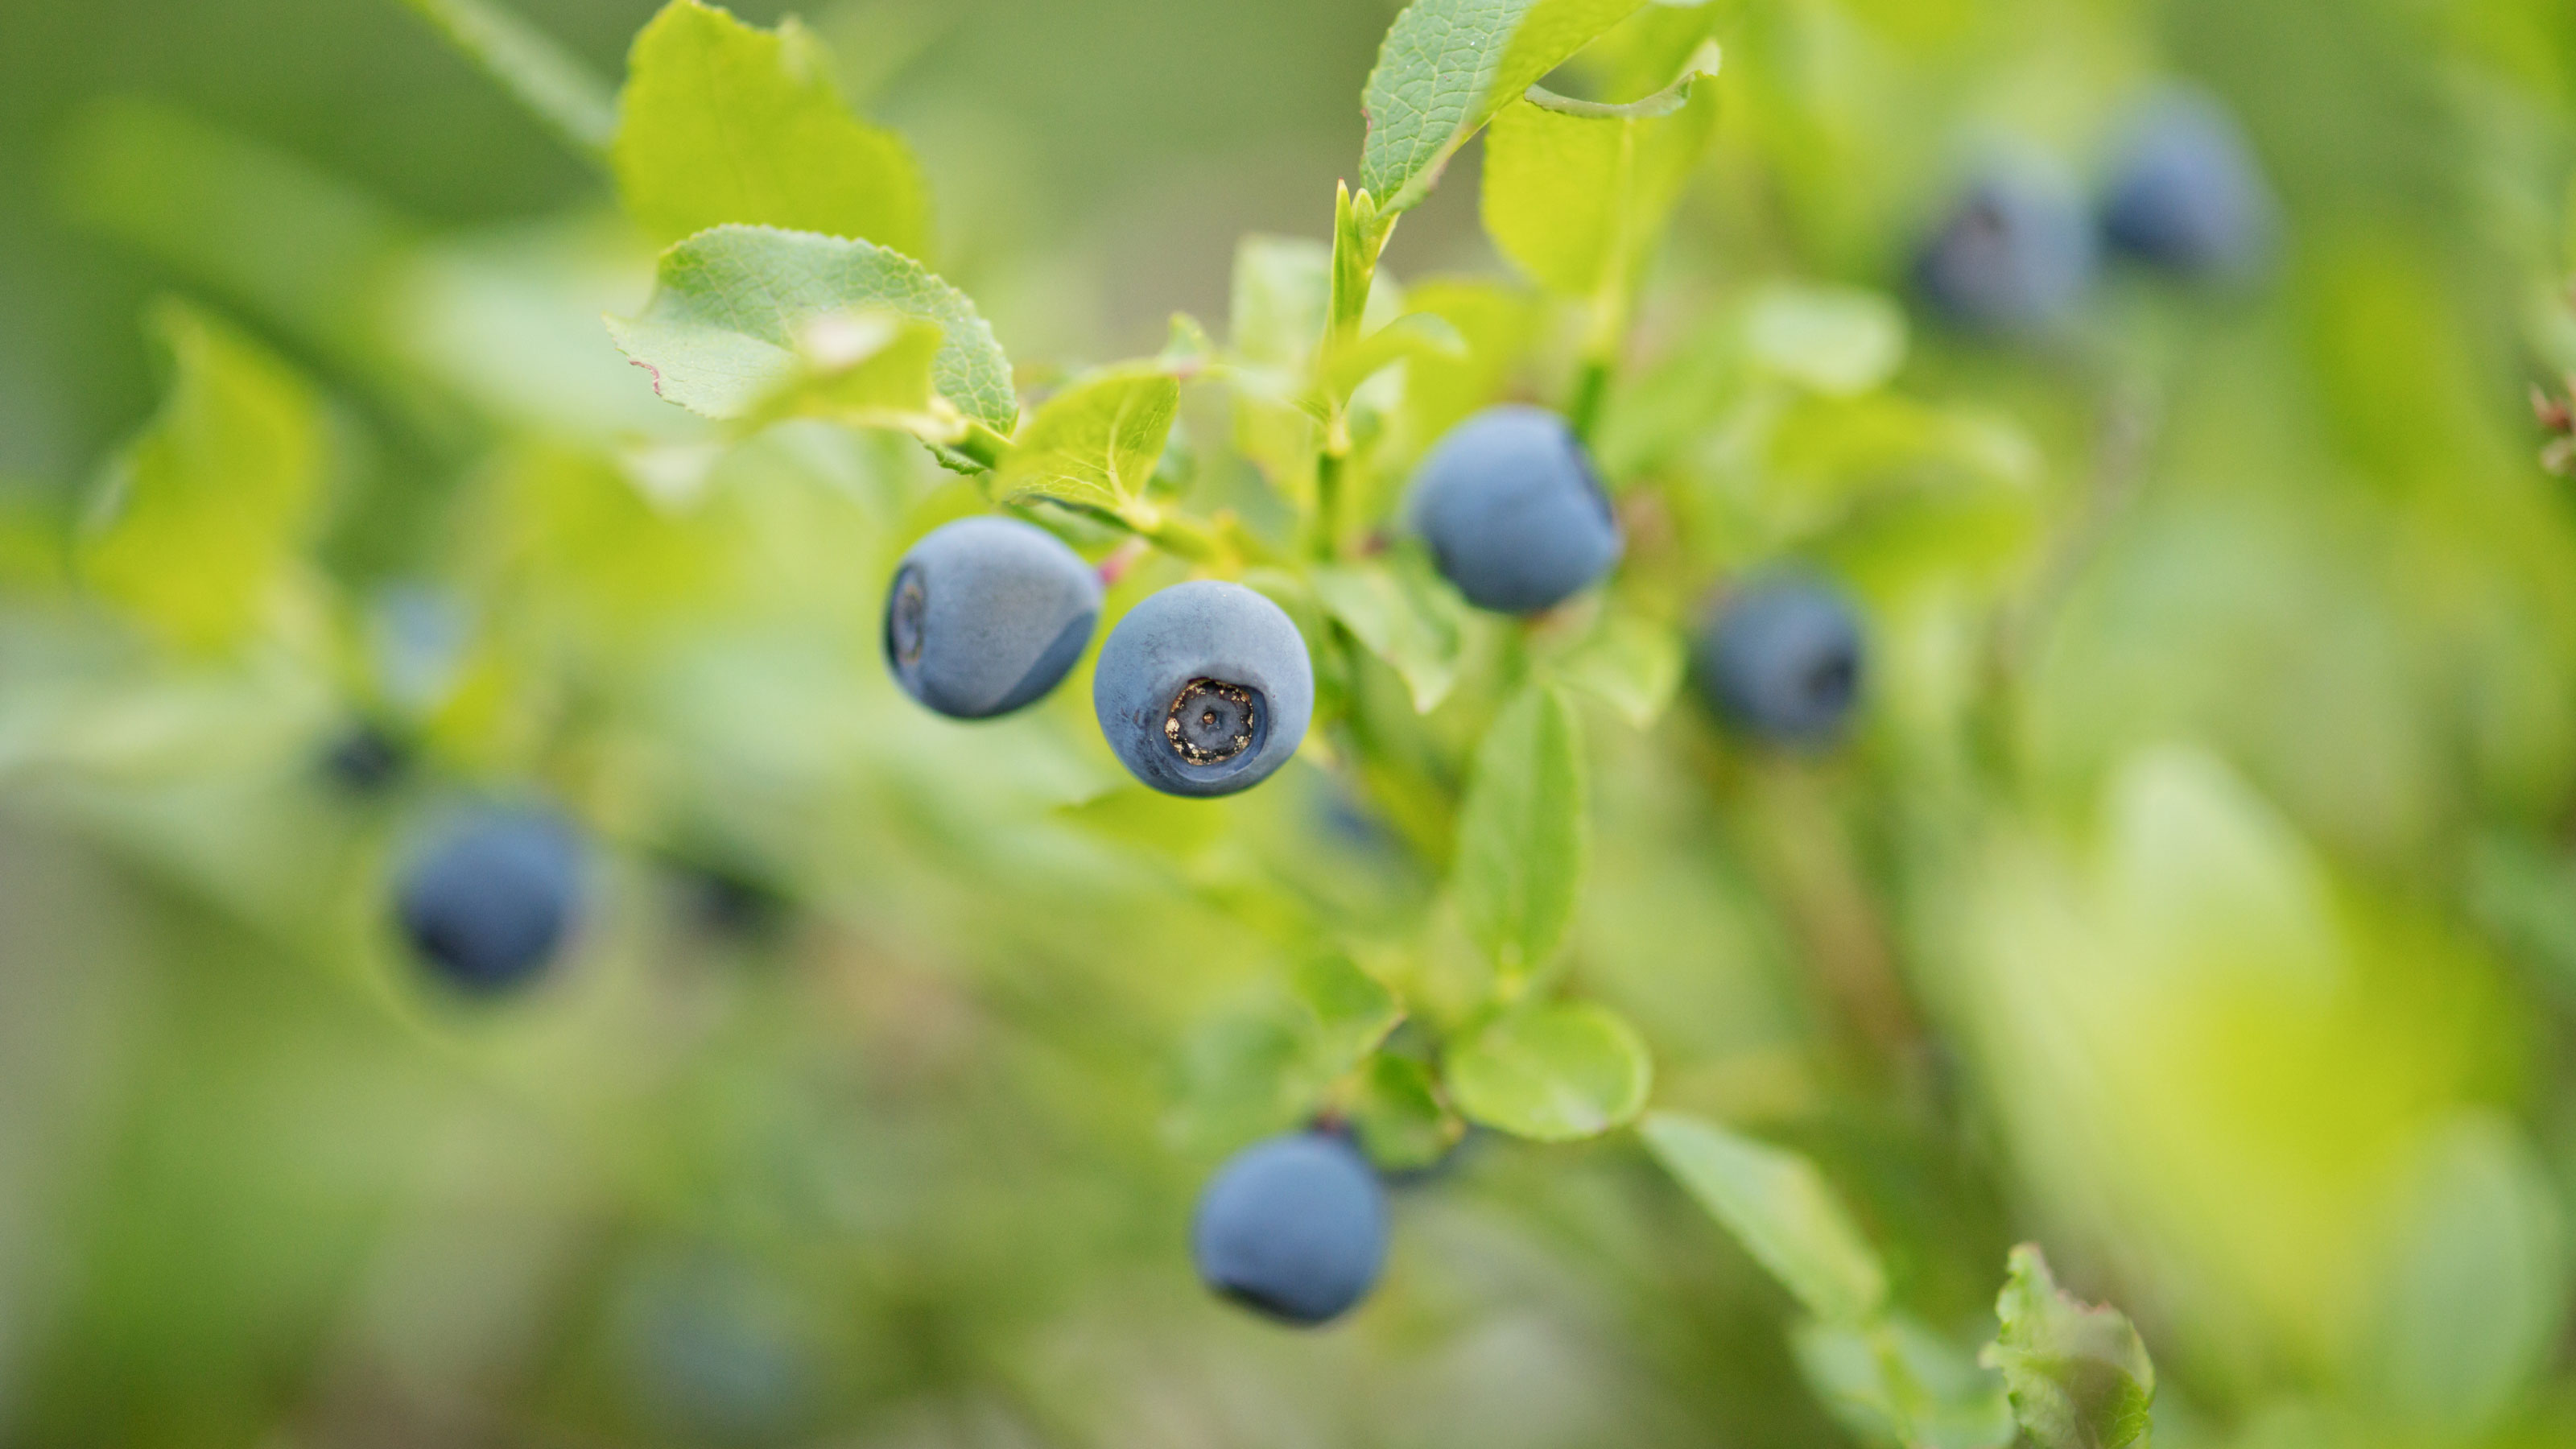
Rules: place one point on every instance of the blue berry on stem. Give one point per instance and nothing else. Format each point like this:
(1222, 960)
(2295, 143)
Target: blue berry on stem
(1783, 661)
(2016, 254)
(492, 898)
(986, 614)
(1204, 689)
(1294, 1227)
(1513, 512)
(2185, 193)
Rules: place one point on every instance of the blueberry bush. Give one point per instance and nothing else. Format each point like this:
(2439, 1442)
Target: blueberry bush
(1796, 670)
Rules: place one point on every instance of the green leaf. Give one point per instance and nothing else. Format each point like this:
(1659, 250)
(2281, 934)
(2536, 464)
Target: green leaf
(729, 307)
(1780, 1208)
(2078, 1376)
(1166, 825)
(1269, 1061)
(200, 518)
(1892, 1381)
(725, 122)
(1281, 294)
(1095, 443)
(1352, 1010)
(1573, 193)
(1552, 1073)
(1497, 321)
(2473, 1283)
(1841, 341)
(1404, 613)
(1633, 665)
(1521, 833)
(864, 369)
(1399, 1118)
(539, 74)
(1415, 334)
(1446, 67)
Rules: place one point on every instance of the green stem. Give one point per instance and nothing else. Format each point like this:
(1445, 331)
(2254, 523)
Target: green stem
(1326, 542)
(1359, 235)
(540, 74)
(1173, 534)
(982, 445)
(1583, 409)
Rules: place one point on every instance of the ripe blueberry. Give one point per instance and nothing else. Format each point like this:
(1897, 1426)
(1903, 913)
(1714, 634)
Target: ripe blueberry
(365, 759)
(1782, 661)
(2185, 193)
(1513, 512)
(986, 614)
(1204, 689)
(1294, 1227)
(492, 897)
(2016, 254)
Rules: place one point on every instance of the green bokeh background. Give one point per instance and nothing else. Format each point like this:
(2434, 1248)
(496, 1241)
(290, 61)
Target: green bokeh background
(2227, 947)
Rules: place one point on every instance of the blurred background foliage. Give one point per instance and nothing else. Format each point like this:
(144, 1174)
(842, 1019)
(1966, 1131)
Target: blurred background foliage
(2199, 897)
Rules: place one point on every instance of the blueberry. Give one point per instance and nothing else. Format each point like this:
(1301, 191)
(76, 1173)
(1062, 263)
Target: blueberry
(986, 614)
(2016, 255)
(492, 897)
(1783, 661)
(2185, 193)
(1204, 689)
(1513, 512)
(1294, 1227)
(365, 759)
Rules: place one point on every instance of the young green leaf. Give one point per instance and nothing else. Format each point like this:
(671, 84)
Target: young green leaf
(1268, 1061)
(2078, 1376)
(1574, 193)
(1521, 833)
(1446, 66)
(1780, 1208)
(1353, 1011)
(1275, 314)
(1633, 665)
(1399, 1117)
(730, 305)
(725, 122)
(1841, 341)
(199, 519)
(1552, 1073)
(1893, 1381)
(864, 369)
(1405, 614)
(1094, 443)
(539, 74)
(1413, 335)
(1497, 320)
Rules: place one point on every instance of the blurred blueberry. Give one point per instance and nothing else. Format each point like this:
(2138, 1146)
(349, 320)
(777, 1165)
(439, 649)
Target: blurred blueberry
(492, 897)
(1782, 660)
(365, 759)
(986, 614)
(1204, 689)
(1512, 511)
(417, 634)
(2015, 255)
(2185, 193)
(1294, 1227)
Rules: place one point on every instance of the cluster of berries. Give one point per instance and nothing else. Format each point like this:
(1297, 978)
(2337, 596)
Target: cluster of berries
(2020, 250)
(1203, 689)
(1206, 688)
